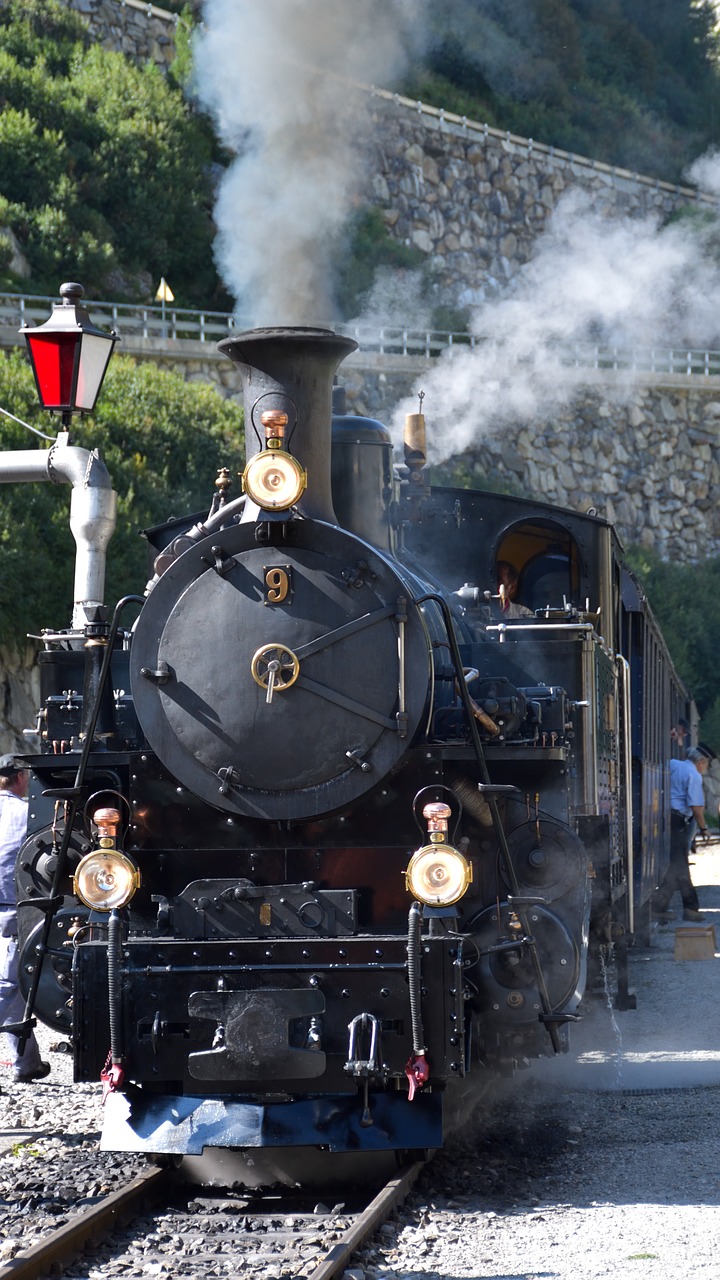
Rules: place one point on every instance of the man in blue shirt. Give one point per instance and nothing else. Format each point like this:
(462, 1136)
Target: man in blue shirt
(687, 808)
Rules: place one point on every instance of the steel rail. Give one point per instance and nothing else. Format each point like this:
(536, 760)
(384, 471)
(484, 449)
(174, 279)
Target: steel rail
(89, 1224)
(377, 1212)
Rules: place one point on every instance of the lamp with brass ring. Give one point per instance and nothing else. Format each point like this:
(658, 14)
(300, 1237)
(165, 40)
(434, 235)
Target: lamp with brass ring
(438, 874)
(106, 879)
(273, 479)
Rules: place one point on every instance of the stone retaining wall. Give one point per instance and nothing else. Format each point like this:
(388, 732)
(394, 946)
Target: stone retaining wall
(475, 199)
(645, 457)
(145, 32)
(470, 197)
(645, 453)
(19, 699)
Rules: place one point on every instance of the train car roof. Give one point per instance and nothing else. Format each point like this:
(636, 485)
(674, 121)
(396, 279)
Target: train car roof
(534, 508)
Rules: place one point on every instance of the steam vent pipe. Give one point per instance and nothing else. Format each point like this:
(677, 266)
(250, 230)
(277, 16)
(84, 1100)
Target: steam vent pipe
(292, 369)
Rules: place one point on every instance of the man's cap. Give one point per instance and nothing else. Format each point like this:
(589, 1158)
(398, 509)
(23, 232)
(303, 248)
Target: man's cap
(9, 765)
(706, 751)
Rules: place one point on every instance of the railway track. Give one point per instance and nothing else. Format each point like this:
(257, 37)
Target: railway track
(191, 1231)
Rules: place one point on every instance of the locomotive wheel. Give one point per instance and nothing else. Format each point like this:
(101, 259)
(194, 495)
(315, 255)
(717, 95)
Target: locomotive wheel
(52, 1004)
(507, 977)
(549, 865)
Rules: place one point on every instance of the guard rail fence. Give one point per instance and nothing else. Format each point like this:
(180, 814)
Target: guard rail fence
(175, 324)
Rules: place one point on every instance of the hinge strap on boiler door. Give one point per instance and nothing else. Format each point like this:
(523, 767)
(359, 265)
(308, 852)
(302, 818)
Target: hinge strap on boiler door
(401, 619)
(547, 1017)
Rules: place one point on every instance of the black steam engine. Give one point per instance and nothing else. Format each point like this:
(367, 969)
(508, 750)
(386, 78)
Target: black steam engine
(330, 830)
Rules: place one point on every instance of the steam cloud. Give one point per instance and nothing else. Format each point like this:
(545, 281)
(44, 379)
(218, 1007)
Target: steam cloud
(278, 76)
(629, 283)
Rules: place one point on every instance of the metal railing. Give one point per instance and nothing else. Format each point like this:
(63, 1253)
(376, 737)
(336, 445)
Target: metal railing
(177, 323)
(661, 360)
(181, 324)
(127, 319)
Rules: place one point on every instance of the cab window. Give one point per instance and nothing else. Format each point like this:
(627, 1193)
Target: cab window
(546, 560)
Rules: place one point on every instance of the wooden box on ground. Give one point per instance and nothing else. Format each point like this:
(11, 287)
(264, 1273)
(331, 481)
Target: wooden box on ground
(695, 942)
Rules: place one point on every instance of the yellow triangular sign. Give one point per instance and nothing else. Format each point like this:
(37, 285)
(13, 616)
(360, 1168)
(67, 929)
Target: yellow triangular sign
(164, 293)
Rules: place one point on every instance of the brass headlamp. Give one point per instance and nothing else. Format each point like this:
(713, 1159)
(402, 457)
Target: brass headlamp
(273, 479)
(106, 879)
(438, 875)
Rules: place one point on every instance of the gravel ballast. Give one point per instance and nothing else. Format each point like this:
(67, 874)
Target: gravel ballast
(605, 1163)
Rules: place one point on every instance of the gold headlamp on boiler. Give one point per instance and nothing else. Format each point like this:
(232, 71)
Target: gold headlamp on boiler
(106, 879)
(438, 874)
(273, 479)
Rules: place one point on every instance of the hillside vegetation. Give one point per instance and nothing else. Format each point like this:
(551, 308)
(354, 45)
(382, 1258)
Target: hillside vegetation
(163, 441)
(103, 164)
(629, 82)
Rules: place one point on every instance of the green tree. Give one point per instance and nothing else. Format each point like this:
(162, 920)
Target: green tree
(105, 169)
(685, 599)
(162, 440)
(631, 83)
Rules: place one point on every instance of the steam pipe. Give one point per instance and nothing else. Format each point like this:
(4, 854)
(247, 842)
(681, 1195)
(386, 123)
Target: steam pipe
(93, 509)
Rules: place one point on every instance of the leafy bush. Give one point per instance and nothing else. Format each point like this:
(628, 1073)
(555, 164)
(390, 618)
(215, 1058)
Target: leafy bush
(162, 440)
(104, 167)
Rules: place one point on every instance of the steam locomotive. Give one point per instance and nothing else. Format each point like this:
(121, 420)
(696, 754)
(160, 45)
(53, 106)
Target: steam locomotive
(327, 832)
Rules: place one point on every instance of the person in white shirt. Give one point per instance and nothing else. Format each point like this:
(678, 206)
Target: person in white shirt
(13, 827)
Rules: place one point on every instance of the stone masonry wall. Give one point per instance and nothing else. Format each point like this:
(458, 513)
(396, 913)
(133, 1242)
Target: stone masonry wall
(645, 453)
(145, 32)
(474, 199)
(647, 459)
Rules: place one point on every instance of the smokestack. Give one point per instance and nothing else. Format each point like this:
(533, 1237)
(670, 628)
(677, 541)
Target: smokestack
(292, 370)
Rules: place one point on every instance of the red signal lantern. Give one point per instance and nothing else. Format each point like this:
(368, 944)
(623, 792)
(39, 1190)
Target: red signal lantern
(69, 355)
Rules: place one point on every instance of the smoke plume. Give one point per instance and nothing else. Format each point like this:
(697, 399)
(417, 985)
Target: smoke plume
(594, 278)
(280, 76)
